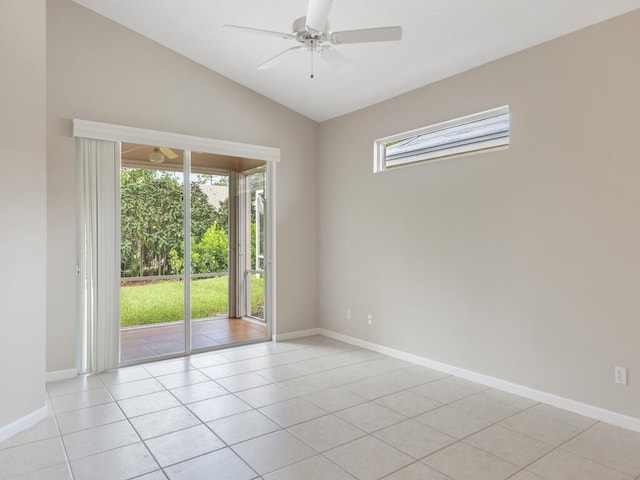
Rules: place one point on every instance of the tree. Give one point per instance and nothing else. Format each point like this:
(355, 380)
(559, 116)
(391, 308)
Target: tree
(152, 226)
(203, 214)
(209, 254)
(152, 220)
(221, 215)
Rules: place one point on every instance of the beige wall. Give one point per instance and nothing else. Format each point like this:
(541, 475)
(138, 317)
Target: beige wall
(521, 264)
(518, 264)
(22, 208)
(98, 70)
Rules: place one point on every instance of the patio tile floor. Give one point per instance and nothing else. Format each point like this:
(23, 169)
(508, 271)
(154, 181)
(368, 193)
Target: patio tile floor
(164, 339)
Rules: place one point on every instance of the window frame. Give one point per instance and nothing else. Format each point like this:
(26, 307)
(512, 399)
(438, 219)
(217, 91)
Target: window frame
(380, 163)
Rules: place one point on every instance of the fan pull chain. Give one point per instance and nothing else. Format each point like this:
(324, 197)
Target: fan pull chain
(312, 49)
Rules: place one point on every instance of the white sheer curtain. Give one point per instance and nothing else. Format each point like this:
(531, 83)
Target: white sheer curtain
(98, 209)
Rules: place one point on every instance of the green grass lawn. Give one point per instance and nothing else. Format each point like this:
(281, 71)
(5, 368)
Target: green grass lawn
(162, 301)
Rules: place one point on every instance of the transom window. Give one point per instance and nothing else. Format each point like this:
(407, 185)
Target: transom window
(488, 130)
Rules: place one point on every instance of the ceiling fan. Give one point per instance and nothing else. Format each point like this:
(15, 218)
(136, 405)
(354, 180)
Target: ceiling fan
(157, 155)
(313, 34)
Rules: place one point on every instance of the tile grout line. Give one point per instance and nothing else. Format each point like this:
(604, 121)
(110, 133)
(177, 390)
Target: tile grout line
(64, 446)
(144, 441)
(203, 423)
(579, 455)
(553, 450)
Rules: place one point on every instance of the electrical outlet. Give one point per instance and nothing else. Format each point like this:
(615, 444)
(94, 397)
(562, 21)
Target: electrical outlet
(370, 319)
(348, 314)
(621, 375)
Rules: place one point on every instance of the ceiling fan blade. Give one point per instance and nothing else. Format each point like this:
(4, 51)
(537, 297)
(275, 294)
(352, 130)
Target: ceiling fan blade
(381, 34)
(285, 36)
(318, 15)
(167, 152)
(130, 150)
(279, 57)
(335, 58)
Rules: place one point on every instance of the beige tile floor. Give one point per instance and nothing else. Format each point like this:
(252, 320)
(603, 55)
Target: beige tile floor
(310, 409)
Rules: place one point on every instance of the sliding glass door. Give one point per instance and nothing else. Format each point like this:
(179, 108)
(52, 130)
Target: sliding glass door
(178, 205)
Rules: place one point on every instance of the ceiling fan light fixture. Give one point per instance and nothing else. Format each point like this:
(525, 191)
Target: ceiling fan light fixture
(156, 156)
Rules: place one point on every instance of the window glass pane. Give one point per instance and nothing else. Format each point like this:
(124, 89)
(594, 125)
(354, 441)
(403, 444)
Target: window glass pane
(209, 259)
(152, 235)
(255, 296)
(483, 131)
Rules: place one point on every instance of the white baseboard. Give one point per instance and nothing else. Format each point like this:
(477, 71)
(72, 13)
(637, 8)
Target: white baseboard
(299, 334)
(23, 423)
(61, 375)
(597, 413)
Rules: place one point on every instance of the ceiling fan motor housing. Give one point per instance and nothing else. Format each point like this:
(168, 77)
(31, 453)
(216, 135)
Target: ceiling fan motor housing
(303, 35)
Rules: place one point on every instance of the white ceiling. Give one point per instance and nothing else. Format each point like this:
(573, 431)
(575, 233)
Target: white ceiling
(440, 38)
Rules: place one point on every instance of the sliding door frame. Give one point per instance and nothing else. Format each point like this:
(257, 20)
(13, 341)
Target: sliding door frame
(188, 143)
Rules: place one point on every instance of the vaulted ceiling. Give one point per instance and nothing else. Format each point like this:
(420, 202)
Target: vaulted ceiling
(440, 38)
